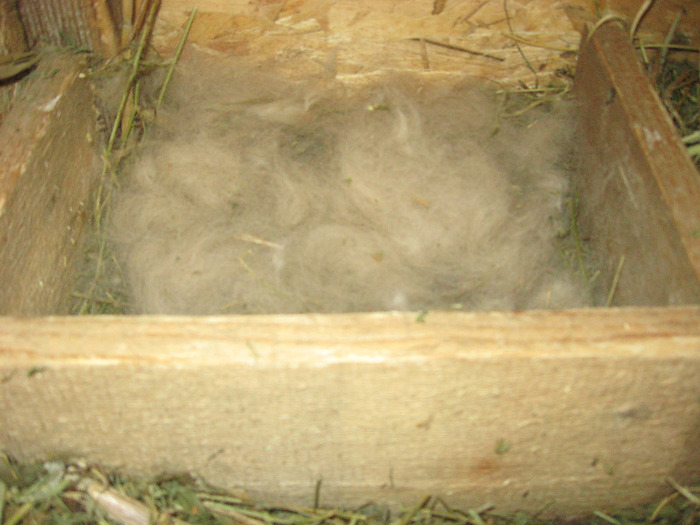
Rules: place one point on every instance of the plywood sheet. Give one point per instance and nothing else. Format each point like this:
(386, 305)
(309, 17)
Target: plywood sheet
(580, 410)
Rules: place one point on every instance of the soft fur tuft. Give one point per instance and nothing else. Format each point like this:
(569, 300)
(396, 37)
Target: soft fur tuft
(257, 196)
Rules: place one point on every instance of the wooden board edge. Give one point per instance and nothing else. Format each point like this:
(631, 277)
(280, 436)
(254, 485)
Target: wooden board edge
(317, 340)
(49, 167)
(640, 189)
(597, 407)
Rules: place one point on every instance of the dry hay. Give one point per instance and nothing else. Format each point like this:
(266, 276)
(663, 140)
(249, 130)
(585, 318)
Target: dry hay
(65, 493)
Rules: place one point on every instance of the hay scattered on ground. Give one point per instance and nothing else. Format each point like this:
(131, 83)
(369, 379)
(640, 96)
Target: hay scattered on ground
(60, 493)
(674, 69)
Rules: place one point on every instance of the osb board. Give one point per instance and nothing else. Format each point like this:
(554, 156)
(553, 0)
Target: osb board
(48, 165)
(354, 38)
(582, 410)
(639, 190)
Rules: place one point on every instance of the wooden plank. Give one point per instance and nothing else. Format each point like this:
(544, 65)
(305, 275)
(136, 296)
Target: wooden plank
(640, 191)
(661, 14)
(86, 24)
(594, 407)
(48, 168)
(354, 39)
(656, 23)
(12, 41)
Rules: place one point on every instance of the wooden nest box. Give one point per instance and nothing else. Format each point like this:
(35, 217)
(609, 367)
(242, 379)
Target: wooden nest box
(583, 409)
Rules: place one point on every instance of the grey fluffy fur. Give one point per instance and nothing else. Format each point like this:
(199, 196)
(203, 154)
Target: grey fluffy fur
(257, 196)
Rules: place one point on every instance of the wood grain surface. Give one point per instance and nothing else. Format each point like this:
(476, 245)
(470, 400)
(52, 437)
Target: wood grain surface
(577, 410)
(352, 40)
(49, 163)
(639, 189)
(584, 410)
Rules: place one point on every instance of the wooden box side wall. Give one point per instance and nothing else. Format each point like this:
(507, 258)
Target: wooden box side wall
(639, 190)
(579, 410)
(49, 163)
(75, 24)
(352, 40)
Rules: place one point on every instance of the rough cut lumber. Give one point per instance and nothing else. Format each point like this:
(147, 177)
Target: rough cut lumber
(12, 39)
(353, 39)
(12, 42)
(584, 410)
(48, 169)
(639, 189)
(77, 24)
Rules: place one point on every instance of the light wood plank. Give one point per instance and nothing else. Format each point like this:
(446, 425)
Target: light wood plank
(597, 406)
(355, 39)
(49, 164)
(639, 189)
